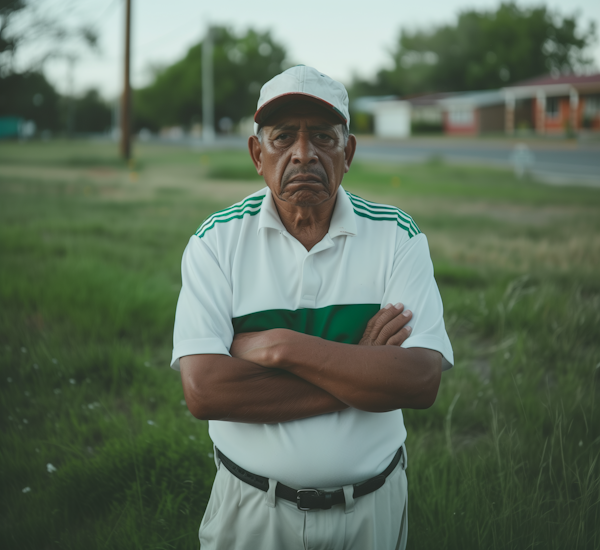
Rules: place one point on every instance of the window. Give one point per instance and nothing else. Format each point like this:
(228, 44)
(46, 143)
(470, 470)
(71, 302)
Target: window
(552, 107)
(461, 117)
(591, 105)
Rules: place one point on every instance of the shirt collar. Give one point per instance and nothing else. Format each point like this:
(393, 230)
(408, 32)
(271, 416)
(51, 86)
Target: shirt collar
(342, 222)
(268, 216)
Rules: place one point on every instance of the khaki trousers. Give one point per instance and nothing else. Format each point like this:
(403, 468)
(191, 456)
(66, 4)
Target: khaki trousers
(241, 517)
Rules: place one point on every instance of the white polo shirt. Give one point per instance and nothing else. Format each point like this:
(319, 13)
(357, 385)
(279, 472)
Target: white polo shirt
(243, 272)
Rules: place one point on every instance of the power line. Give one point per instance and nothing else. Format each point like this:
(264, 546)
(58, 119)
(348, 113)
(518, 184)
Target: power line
(107, 10)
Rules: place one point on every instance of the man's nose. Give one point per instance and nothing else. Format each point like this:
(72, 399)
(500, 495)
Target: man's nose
(304, 152)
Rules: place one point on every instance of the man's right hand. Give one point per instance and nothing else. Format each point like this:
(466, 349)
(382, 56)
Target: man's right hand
(387, 327)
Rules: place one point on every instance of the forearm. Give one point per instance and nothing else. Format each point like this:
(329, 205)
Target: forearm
(218, 387)
(376, 379)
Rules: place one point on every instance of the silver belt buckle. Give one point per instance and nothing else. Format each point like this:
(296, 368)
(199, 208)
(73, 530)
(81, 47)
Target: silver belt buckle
(298, 493)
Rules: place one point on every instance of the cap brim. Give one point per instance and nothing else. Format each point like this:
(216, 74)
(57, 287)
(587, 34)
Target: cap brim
(272, 105)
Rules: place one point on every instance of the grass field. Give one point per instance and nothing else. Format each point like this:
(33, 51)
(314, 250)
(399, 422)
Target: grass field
(98, 448)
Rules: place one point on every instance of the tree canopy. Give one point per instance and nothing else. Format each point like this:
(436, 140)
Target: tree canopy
(241, 65)
(30, 96)
(24, 90)
(484, 49)
(36, 23)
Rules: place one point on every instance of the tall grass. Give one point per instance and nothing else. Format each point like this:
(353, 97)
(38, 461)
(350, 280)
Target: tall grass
(98, 449)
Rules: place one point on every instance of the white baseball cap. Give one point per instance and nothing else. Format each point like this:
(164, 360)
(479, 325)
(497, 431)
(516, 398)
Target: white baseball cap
(302, 83)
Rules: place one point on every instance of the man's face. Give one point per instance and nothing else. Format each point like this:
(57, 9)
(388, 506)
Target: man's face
(302, 156)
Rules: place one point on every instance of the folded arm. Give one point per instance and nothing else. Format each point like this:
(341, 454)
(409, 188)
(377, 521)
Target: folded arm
(375, 379)
(279, 375)
(219, 387)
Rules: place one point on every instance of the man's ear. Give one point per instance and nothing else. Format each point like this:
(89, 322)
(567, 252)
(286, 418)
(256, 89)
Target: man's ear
(349, 151)
(255, 153)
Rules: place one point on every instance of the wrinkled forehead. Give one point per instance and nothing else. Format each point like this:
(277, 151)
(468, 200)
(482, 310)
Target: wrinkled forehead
(294, 113)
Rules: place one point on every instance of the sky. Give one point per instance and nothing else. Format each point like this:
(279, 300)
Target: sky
(339, 37)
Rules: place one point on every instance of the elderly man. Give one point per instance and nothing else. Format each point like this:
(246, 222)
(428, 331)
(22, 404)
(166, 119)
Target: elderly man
(307, 319)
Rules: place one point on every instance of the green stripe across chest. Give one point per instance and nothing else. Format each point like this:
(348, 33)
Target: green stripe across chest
(339, 323)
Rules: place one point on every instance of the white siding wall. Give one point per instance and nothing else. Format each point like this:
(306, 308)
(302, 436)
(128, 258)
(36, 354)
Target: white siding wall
(392, 119)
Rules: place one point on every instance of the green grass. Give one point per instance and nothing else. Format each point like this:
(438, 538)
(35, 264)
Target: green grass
(507, 458)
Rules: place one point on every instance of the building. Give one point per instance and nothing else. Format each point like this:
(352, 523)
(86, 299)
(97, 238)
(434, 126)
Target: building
(473, 113)
(553, 104)
(426, 113)
(392, 119)
(16, 127)
(547, 105)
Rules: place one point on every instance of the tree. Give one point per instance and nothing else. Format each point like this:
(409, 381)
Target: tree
(32, 97)
(26, 23)
(33, 24)
(484, 50)
(241, 65)
(92, 114)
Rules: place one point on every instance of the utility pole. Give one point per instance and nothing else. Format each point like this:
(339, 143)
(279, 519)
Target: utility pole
(208, 95)
(126, 98)
(71, 105)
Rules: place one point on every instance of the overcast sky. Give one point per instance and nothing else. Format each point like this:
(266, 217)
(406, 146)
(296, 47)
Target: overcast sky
(338, 37)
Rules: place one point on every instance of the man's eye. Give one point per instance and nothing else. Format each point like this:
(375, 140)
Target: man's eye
(282, 137)
(323, 137)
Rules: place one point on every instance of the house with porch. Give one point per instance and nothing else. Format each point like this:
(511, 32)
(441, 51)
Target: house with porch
(553, 104)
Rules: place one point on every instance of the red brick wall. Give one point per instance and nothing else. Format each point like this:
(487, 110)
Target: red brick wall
(462, 129)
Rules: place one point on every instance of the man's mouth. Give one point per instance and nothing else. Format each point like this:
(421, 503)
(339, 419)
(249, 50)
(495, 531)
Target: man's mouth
(308, 178)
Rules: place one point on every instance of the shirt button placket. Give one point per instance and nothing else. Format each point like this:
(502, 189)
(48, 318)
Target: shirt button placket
(308, 291)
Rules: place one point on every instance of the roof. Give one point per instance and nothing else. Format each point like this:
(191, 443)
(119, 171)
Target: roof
(559, 85)
(426, 100)
(548, 79)
(474, 99)
(366, 104)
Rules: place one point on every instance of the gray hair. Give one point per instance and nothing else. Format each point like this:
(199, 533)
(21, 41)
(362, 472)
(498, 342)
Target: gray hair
(345, 132)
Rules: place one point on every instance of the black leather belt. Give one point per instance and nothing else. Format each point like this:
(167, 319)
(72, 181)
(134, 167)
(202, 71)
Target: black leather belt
(310, 499)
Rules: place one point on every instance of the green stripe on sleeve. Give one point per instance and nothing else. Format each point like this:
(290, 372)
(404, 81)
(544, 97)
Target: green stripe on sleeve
(379, 212)
(237, 211)
(202, 231)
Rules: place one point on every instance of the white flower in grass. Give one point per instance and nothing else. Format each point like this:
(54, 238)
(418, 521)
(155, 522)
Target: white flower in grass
(182, 402)
(25, 421)
(27, 489)
(23, 350)
(146, 363)
(55, 361)
(581, 443)
(151, 423)
(193, 437)
(72, 380)
(36, 366)
(210, 455)
(50, 468)
(9, 379)
(56, 391)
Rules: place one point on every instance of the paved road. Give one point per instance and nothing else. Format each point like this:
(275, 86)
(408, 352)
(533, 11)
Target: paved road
(560, 162)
